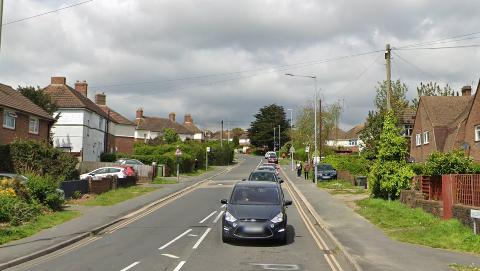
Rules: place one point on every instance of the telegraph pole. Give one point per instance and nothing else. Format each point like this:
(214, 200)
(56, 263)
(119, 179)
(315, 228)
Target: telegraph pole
(1, 21)
(320, 123)
(387, 57)
(221, 136)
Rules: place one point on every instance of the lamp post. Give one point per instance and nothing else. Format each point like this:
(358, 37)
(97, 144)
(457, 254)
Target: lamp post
(315, 132)
(274, 139)
(279, 146)
(291, 129)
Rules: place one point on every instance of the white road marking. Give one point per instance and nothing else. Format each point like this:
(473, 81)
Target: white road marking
(179, 266)
(171, 256)
(201, 238)
(178, 237)
(218, 217)
(207, 217)
(130, 266)
(193, 235)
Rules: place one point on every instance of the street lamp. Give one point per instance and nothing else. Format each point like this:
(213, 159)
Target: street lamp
(315, 132)
(291, 129)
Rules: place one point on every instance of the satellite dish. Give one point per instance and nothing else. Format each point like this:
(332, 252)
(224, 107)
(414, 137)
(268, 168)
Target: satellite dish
(411, 160)
(465, 145)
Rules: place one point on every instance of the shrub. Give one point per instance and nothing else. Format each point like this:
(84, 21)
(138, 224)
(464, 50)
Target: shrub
(356, 165)
(15, 187)
(108, 157)
(453, 162)
(7, 204)
(43, 188)
(24, 212)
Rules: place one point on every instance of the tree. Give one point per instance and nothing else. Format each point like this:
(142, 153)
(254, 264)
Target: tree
(43, 100)
(237, 131)
(373, 128)
(262, 128)
(431, 89)
(390, 173)
(170, 135)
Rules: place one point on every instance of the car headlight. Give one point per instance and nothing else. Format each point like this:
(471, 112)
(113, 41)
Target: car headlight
(229, 217)
(278, 218)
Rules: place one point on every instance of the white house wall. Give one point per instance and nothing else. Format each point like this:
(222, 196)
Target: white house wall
(125, 130)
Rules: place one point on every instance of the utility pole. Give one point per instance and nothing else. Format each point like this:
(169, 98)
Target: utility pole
(221, 136)
(279, 146)
(387, 57)
(274, 139)
(1, 22)
(320, 123)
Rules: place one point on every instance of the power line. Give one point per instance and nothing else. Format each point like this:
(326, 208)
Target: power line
(438, 48)
(445, 40)
(38, 15)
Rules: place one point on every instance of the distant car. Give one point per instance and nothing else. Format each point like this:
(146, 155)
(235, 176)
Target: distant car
(326, 172)
(267, 154)
(267, 168)
(25, 179)
(255, 210)
(103, 172)
(272, 165)
(128, 161)
(264, 175)
(272, 158)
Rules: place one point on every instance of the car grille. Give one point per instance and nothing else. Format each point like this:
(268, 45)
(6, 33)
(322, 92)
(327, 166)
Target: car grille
(240, 231)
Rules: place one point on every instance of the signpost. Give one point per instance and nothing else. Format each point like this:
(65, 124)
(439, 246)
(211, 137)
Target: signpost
(178, 153)
(292, 150)
(475, 214)
(206, 155)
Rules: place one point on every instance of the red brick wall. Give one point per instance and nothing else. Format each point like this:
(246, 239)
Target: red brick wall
(21, 130)
(124, 144)
(110, 143)
(422, 124)
(473, 120)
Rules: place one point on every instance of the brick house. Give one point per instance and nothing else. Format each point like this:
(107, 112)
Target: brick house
(444, 123)
(22, 118)
(188, 123)
(120, 130)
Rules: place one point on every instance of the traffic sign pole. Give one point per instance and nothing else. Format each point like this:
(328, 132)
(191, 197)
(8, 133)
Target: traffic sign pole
(178, 153)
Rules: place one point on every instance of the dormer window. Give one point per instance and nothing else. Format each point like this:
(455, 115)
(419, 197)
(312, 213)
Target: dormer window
(9, 119)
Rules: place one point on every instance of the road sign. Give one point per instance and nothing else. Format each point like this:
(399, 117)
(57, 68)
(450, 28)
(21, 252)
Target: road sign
(178, 152)
(292, 149)
(307, 149)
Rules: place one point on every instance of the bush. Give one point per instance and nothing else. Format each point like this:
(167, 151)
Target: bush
(108, 157)
(43, 188)
(7, 205)
(418, 169)
(15, 187)
(356, 165)
(24, 212)
(453, 162)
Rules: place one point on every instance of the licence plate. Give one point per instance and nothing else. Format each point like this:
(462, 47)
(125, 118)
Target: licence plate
(253, 229)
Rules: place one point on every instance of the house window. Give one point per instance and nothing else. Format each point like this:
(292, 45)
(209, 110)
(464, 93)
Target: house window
(418, 139)
(9, 119)
(33, 126)
(477, 133)
(408, 130)
(100, 124)
(352, 143)
(425, 137)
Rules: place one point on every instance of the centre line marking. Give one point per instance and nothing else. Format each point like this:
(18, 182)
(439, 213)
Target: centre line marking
(130, 266)
(218, 217)
(178, 237)
(201, 238)
(207, 217)
(179, 266)
(171, 256)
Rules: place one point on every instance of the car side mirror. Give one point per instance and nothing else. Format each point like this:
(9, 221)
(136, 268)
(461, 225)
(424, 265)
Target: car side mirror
(223, 201)
(288, 202)
(92, 174)
(281, 181)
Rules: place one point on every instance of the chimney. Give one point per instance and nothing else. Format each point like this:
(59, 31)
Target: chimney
(59, 80)
(188, 118)
(171, 116)
(466, 91)
(81, 87)
(100, 99)
(139, 113)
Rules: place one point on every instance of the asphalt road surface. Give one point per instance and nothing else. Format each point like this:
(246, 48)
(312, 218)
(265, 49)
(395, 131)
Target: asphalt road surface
(185, 234)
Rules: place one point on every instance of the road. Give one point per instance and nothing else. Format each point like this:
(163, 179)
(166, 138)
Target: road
(185, 234)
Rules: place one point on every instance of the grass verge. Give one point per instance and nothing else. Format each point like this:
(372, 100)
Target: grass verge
(9, 233)
(113, 197)
(341, 187)
(199, 172)
(163, 181)
(418, 227)
(463, 268)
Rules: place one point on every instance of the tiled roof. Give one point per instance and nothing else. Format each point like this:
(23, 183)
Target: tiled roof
(115, 116)
(353, 133)
(10, 98)
(158, 124)
(336, 133)
(408, 115)
(67, 97)
(447, 110)
(190, 126)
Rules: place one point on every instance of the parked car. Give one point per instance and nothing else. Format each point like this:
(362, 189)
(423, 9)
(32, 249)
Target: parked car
(267, 154)
(103, 172)
(255, 210)
(263, 175)
(272, 165)
(272, 158)
(267, 168)
(130, 170)
(326, 172)
(25, 179)
(128, 161)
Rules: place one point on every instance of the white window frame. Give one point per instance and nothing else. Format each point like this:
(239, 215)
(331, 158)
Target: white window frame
(425, 137)
(100, 124)
(418, 139)
(8, 115)
(352, 142)
(477, 133)
(33, 125)
(408, 130)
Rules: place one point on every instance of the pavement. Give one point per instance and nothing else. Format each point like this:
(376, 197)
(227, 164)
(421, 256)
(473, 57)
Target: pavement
(364, 246)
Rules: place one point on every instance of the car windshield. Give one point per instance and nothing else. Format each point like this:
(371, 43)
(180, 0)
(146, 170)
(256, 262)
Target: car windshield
(266, 168)
(255, 195)
(262, 176)
(272, 155)
(324, 167)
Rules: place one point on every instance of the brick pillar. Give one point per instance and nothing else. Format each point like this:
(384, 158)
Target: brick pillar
(447, 188)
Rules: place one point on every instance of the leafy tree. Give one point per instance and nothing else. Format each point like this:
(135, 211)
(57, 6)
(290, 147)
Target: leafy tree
(237, 131)
(373, 128)
(432, 89)
(266, 120)
(390, 172)
(170, 135)
(39, 98)
(453, 162)
(236, 141)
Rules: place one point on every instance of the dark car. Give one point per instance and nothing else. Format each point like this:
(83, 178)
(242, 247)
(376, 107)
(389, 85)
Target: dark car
(273, 165)
(264, 175)
(326, 172)
(272, 158)
(255, 210)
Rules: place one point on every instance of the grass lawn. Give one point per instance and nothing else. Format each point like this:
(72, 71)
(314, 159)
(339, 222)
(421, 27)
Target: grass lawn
(200, 171)
(113, 197)
(9, 233)
(340, 187)
(163, 181)
(418, 227)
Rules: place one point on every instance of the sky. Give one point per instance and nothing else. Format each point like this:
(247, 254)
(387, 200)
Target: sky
(225, 60)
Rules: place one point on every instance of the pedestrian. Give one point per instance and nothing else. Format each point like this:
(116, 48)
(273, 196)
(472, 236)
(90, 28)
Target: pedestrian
(196, 164)
(299, 169)
(306, 169)
(283, 155)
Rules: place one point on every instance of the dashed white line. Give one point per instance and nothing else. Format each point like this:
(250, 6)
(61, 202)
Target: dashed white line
(207, 217)
(171, 256)
(179, 266)
(201, 238)
(178, 237)
(130, 266)
(218, 217)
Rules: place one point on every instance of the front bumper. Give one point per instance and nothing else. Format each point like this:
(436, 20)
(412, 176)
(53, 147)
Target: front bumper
(326, 177)
(263, 229)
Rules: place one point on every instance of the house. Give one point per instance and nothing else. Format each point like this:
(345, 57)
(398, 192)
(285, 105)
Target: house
(444, 123)
(348, 140)
(22, 118)
(243, 139)
(150, 127)
(120, 130)
(82, 126)
(198, 134)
